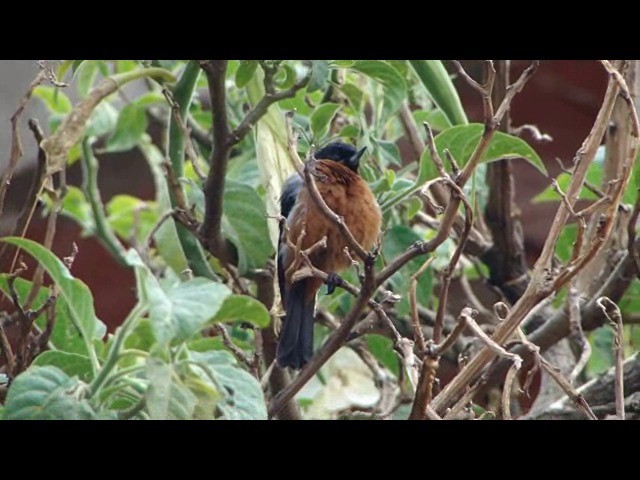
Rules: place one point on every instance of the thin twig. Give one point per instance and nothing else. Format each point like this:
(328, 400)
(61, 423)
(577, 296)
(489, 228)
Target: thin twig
(456, 192)
(612, 312)
(227, 342)
(555, 374)
(417, 329)
(542, 285)
(186, 133)
(577, 333)
(16, 143)
(224, 139)
(6, 350)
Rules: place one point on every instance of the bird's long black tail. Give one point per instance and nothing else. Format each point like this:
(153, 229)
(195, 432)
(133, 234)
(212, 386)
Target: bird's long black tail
(295, 346)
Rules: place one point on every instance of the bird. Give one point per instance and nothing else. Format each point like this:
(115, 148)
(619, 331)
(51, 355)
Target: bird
(335, 172)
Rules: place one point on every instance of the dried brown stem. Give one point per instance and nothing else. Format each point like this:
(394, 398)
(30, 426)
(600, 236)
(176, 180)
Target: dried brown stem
(554, 372)
(612, 312)
(211, 228)
(241, 356)
(456, 193)
(413, 286)
(16, 143)
(6, 350)
(541, 285)
(224, 139)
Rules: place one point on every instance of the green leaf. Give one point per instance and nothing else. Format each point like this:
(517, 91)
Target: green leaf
(141, 337)
(22, 288)
(382, 348)
(63, 69)
(319, 75)
(351, 132)
(354, 95)
(102, 121)
(47, 393)
(396, 241)
(394, 86)
(286, 77)
(55, 100)
(166, 398)
(243, 308)
(185, 309)
(436, 119)
(594, 176)
(75, 292)
(75, 206)
(242, 397)
(601, 357)
(462, 140)
(400, 65)
(245, 224)
(564, 245)
(166, 238)
(85, 75)
(321, 119)
(388, 151)
(414, 205)
(151, 98)
(129, 215)
(132, 124)
(245, 71)
(436, 80)
(71, 364)
(64, 336)
(123, 66)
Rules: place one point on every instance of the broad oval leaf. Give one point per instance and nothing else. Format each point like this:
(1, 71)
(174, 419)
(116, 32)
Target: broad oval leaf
(129, 216)
(243, 308)
(46, 393)
(462, 140)
(321, 119)
(55, 100)
(245, 224)
(185, 309)
(85, 75)
(132, 124)
(72, 364)
(166, 397)
(242, 397)
(394, 86)
(319, 75)
(245, 71)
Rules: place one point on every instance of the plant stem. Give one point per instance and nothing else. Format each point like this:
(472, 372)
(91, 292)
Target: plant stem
(103, 231)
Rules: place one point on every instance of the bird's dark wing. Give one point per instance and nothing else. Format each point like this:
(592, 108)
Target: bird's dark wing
(290, 191)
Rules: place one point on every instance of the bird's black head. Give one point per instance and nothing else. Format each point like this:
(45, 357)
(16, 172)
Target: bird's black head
(342, 153)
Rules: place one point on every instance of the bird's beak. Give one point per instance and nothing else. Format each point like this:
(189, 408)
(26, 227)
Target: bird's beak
(354, 161)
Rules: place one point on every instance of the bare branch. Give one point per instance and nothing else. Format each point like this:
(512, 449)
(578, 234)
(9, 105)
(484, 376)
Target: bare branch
(612, 312)
(16, 143)
(211, 228)
(417, 329)
(554, 372)
(270, 97)
(542, 283)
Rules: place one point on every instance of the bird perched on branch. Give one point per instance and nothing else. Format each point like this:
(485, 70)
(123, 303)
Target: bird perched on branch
(335, 171)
